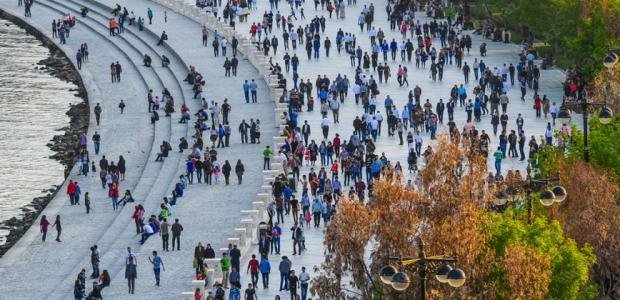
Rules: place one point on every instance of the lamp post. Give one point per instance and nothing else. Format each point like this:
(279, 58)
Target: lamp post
(400, 281)
(605, 114)
(520, 188)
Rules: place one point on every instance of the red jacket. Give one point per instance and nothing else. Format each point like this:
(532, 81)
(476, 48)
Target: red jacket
(113, 192)
(71, 189)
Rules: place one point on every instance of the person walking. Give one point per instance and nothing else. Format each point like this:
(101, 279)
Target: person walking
(304, 280)
(158, 266)
(97, 142)
(226, 169)
(131, 270)
(122, 105)
(265, 269)
(98, 111)
(239, 170)
(293, 284)
(285, 269)
(235, 258)
(43, 227)
(499, 155)
(225, 265)
(253, 91)
(253, 266)
(149, 14)
(176, 229)
(58, 227)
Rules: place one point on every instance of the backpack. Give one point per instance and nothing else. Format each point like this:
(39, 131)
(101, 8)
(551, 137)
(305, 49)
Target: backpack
(219, 294)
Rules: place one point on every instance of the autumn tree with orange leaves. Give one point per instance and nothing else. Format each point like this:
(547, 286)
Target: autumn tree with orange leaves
(449, 208)
(445, 209)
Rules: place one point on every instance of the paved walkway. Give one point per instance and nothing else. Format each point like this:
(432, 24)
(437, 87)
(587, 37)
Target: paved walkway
(208, 213)
(205, 216)
(498, 54)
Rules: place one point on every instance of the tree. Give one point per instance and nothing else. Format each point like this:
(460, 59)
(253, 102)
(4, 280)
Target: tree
(532, 285)
(445, 211)
(570, 265)
(591, 216)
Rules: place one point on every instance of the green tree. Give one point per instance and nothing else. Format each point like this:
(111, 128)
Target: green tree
(570, 265)
(604, 143)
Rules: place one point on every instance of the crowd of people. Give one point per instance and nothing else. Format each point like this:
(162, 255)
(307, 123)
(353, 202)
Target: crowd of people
(344, 157)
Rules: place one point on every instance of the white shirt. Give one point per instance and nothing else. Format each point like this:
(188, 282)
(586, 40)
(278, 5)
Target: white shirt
(148, 229)
(325, 122)
(374, 124)
(304, 277)
(553, 109)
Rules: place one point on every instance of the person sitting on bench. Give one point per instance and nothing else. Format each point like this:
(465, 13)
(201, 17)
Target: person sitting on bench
(165, 61)
(147, 60)
(127, 198)
(116, 10)
(163, 37)
(154, 117)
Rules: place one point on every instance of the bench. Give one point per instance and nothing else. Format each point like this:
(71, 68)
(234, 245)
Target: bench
(187, 295)
(234, 240)
(264, 196)
(265, 188)
(258, 205)
(249, 225)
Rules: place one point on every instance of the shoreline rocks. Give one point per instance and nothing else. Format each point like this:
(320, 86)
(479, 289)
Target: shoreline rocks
(64, 145)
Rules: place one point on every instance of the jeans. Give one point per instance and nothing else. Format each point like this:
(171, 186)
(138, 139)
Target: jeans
(95, 271)
(255, 279)
(266, 163)
(97, 147)
(177, 238)
(114, 203)
(498, 165)
(284, 280)
(276, 245)
(157, 272)
(164, 240)
(304, 291)
(265, 279)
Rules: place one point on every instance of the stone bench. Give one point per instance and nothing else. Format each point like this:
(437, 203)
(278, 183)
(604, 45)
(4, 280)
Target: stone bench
(271, 173)
(276, 166)
(234, 241)
(266, 197)
(187, 295)
(214, 263)
(268, 179)
(266, 188)
(249, 225)
(259, 206)
(251, 213)
(198, 283)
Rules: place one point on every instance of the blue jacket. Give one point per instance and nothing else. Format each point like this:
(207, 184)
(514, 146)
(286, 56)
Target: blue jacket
(264, 266)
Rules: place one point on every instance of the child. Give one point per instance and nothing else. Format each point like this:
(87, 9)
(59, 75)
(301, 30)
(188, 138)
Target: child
(87, 202)
(307, 218)
(93, 170)
(216, 174)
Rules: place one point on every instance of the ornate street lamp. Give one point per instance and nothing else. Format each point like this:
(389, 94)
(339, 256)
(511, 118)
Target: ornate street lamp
(605, 115)
(521, 190)
(400, 281)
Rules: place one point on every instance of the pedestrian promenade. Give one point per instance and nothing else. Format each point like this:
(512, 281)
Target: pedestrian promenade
(203, 210)
(209, 214)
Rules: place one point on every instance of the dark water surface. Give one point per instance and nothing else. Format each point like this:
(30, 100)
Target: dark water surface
(32, 110)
